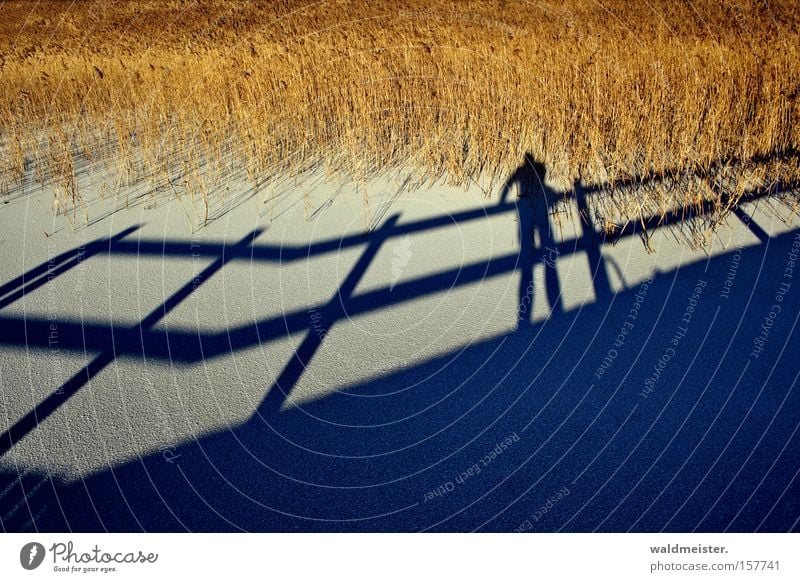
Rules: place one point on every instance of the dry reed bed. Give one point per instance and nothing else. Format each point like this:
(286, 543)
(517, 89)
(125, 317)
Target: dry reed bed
(185, 95)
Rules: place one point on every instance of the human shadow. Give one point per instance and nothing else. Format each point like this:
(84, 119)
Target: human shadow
(534, 201)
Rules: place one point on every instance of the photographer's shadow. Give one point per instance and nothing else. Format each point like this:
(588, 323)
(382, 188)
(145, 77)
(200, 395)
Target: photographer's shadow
(535, 203)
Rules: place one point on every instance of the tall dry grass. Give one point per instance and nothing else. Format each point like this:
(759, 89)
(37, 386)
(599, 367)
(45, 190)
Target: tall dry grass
(183, 95)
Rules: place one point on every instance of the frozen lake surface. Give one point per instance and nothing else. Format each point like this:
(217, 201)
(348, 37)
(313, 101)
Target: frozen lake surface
(315, 362)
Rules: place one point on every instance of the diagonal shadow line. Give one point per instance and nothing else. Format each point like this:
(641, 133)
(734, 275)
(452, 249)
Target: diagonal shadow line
(748, 221)
(126, 341)
(337, 308)
(58, 265)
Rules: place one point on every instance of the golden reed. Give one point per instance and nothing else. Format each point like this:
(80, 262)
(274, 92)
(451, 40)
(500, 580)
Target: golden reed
(600, 91)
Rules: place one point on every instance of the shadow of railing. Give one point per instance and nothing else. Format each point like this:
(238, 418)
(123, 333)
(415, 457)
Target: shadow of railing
(142, 339)
(261, 441)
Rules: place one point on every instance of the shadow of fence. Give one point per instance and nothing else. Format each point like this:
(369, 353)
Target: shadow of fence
(378, 466)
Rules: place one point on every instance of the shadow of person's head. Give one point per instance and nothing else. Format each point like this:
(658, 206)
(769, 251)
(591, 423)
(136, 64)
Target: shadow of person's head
(532, 176)
(536, 168)
(528, 178)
